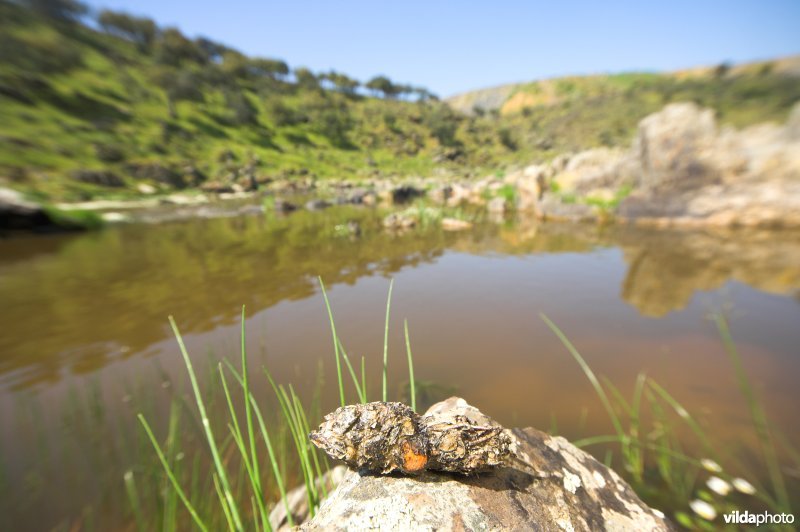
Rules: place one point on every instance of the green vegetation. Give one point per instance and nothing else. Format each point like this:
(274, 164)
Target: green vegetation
(90, 113)
(74, 219)
(246, 507)
(222, 432)
(657, 461)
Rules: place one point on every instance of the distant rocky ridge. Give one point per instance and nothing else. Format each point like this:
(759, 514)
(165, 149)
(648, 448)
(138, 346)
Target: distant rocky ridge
(514, 96)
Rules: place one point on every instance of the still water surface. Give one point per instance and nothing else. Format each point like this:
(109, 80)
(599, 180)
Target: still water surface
(90, 311)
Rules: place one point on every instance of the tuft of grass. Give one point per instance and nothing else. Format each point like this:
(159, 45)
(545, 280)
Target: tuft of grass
(74, 219)
(229, 508)
(759, 418)
(230, 504)
(659, 467)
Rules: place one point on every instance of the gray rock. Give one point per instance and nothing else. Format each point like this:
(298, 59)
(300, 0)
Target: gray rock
(406, 193)
(555, 486)
(672, 144)
(104, 178)
(692, 175)
(282, 205)
(317, 205)
(551, 207)
(399, 221)
(454, 224)
(497, 206)
(441, 194)
(297, 500)
(793, 123)
(17, 213)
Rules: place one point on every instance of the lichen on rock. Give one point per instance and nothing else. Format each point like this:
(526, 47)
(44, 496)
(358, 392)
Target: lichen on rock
(384, 437)
(549, 484)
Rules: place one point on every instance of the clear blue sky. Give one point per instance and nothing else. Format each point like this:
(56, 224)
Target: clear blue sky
(453, 46)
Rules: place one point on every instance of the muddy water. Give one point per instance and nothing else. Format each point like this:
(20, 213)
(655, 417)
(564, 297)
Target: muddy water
(86, 315)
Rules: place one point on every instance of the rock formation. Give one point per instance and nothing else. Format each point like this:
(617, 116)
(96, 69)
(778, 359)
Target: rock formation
(682, 169)
(551, 485)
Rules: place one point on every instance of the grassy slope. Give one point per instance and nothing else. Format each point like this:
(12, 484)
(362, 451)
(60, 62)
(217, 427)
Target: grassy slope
(56, 120)
(110, 101)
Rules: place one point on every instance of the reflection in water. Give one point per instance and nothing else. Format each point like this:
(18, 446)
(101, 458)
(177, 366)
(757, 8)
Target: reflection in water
(78, 303)
(92, 308)
(665, 268)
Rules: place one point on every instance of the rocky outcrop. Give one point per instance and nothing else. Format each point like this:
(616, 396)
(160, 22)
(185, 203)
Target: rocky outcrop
(681, 170)
(158, 173)
(552, 485)
(692, 173)
(18, 214)
(103, 178)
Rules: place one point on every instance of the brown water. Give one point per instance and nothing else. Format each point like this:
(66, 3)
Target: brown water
(88, 314)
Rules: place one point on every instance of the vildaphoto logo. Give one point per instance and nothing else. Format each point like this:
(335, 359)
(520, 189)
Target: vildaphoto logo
(765, 518)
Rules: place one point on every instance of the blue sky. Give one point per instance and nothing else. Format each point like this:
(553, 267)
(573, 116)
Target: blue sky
(453, 46)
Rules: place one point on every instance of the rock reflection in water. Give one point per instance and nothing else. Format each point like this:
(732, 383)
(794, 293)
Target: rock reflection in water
(666, 268)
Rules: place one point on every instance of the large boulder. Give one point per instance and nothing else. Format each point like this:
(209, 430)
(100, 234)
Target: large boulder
(590, 169)
(17, 213)
(672, 144)
(691, 174)
(551, 485)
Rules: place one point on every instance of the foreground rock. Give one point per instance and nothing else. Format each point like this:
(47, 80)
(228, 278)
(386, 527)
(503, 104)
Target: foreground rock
(555, 486)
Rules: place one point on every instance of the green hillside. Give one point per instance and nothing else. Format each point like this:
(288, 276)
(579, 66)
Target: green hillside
(547, 117)
(79, 105)
(93, 105)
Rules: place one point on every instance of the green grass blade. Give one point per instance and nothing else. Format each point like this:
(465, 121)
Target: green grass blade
(310, 450)
(225, 509)
(223, 477)
(589, 375)
(335, 343)
(248, 414)
(257, 497)
(261, 517)
(386, 341)
(686, 417)
(133, 498)
(758, 416)
(359, 390)
(596, 440)
(267, 441)
(171, 476)
(170, 505)
(301, 441)
(297, 437)
(236, 433)
(410, 368)
(637, 454)
(364, 378)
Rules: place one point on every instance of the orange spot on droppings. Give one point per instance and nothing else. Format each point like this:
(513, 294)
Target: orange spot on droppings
(412, 460)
